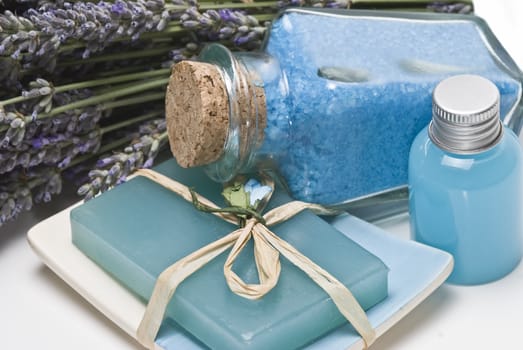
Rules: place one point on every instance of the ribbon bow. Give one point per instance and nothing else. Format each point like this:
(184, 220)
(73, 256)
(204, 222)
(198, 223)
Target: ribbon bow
(267, 247)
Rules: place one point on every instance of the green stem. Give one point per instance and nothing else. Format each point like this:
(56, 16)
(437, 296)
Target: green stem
(112, 80)
(126, 70)
(128, 122)
(93, 83)
(16, 99)
(120, 55)
(224, 5)
(105, 97)
(134, 100)
(239, 212)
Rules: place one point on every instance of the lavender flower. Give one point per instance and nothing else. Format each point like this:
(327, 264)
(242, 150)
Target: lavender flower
(70, 122)
(14, 200)
(57, 150)
(113, 169)
(15, 123)
(35, 40)
(41, 94)
(9, 73)
(20, 189)
(227, 25)
(49, 184)
(189, 51)
(340, 4)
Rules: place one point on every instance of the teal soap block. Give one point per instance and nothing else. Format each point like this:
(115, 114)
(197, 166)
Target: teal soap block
(139, 228)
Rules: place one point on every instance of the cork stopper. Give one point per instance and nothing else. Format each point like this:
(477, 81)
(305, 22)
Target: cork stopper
(197, 113)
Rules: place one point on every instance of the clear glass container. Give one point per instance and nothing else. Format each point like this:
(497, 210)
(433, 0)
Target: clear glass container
(343, 94)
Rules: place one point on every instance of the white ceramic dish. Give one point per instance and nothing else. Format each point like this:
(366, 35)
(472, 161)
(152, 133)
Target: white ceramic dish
(415, 272)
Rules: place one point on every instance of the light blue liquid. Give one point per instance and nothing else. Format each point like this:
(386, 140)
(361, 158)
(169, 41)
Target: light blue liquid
(469, 205)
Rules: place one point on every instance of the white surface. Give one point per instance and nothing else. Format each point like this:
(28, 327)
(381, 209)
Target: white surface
(51, 240)
(39, 311)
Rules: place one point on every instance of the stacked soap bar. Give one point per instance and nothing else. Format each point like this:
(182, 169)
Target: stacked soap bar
(359, 90)
(139, 228)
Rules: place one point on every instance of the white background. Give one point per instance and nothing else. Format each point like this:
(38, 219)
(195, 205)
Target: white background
(39, 311)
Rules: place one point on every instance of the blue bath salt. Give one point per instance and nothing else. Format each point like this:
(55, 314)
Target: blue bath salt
(356, 90)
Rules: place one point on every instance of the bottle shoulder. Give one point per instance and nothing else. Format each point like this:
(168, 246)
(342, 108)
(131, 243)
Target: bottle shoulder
(428, 159)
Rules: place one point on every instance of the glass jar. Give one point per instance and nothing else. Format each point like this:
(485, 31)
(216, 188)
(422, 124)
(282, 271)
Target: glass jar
(466, 182)
(333, 101)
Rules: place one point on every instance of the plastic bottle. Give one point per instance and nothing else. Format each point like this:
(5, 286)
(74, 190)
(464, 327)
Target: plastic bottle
(465, 182)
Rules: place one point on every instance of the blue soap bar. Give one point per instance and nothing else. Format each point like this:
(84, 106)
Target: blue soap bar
(137, 229)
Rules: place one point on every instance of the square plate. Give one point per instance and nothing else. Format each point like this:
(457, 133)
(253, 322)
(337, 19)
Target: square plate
(416, 271)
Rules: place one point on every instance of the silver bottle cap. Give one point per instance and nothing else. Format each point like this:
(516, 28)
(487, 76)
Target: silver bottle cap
(465, 114)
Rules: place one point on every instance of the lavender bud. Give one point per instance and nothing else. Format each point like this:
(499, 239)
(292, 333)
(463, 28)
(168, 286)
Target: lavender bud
(46, 197)
(243, 29)
(17, 123)
(226, 32)
(31, 93)
(96, 183)
(206, 21)
(84, 189)
(64, 162)
(98, 173)
(190, 24)
(148, 163)
(161, 25)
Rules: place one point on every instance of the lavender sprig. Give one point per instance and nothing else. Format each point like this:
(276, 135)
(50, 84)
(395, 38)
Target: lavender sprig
(61, 148)
(20, 189)
(241, 29)
(75, 115)
(23, 186)
(339, 4)
(56, 150)
(14, 199)
(114, 169)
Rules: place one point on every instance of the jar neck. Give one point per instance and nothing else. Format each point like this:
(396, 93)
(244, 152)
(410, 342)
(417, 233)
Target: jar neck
(247, 112)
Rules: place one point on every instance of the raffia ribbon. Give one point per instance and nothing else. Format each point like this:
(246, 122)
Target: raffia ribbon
(267, 247)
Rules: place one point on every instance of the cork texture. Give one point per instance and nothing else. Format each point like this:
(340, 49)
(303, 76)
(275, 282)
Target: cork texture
(197, 113)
